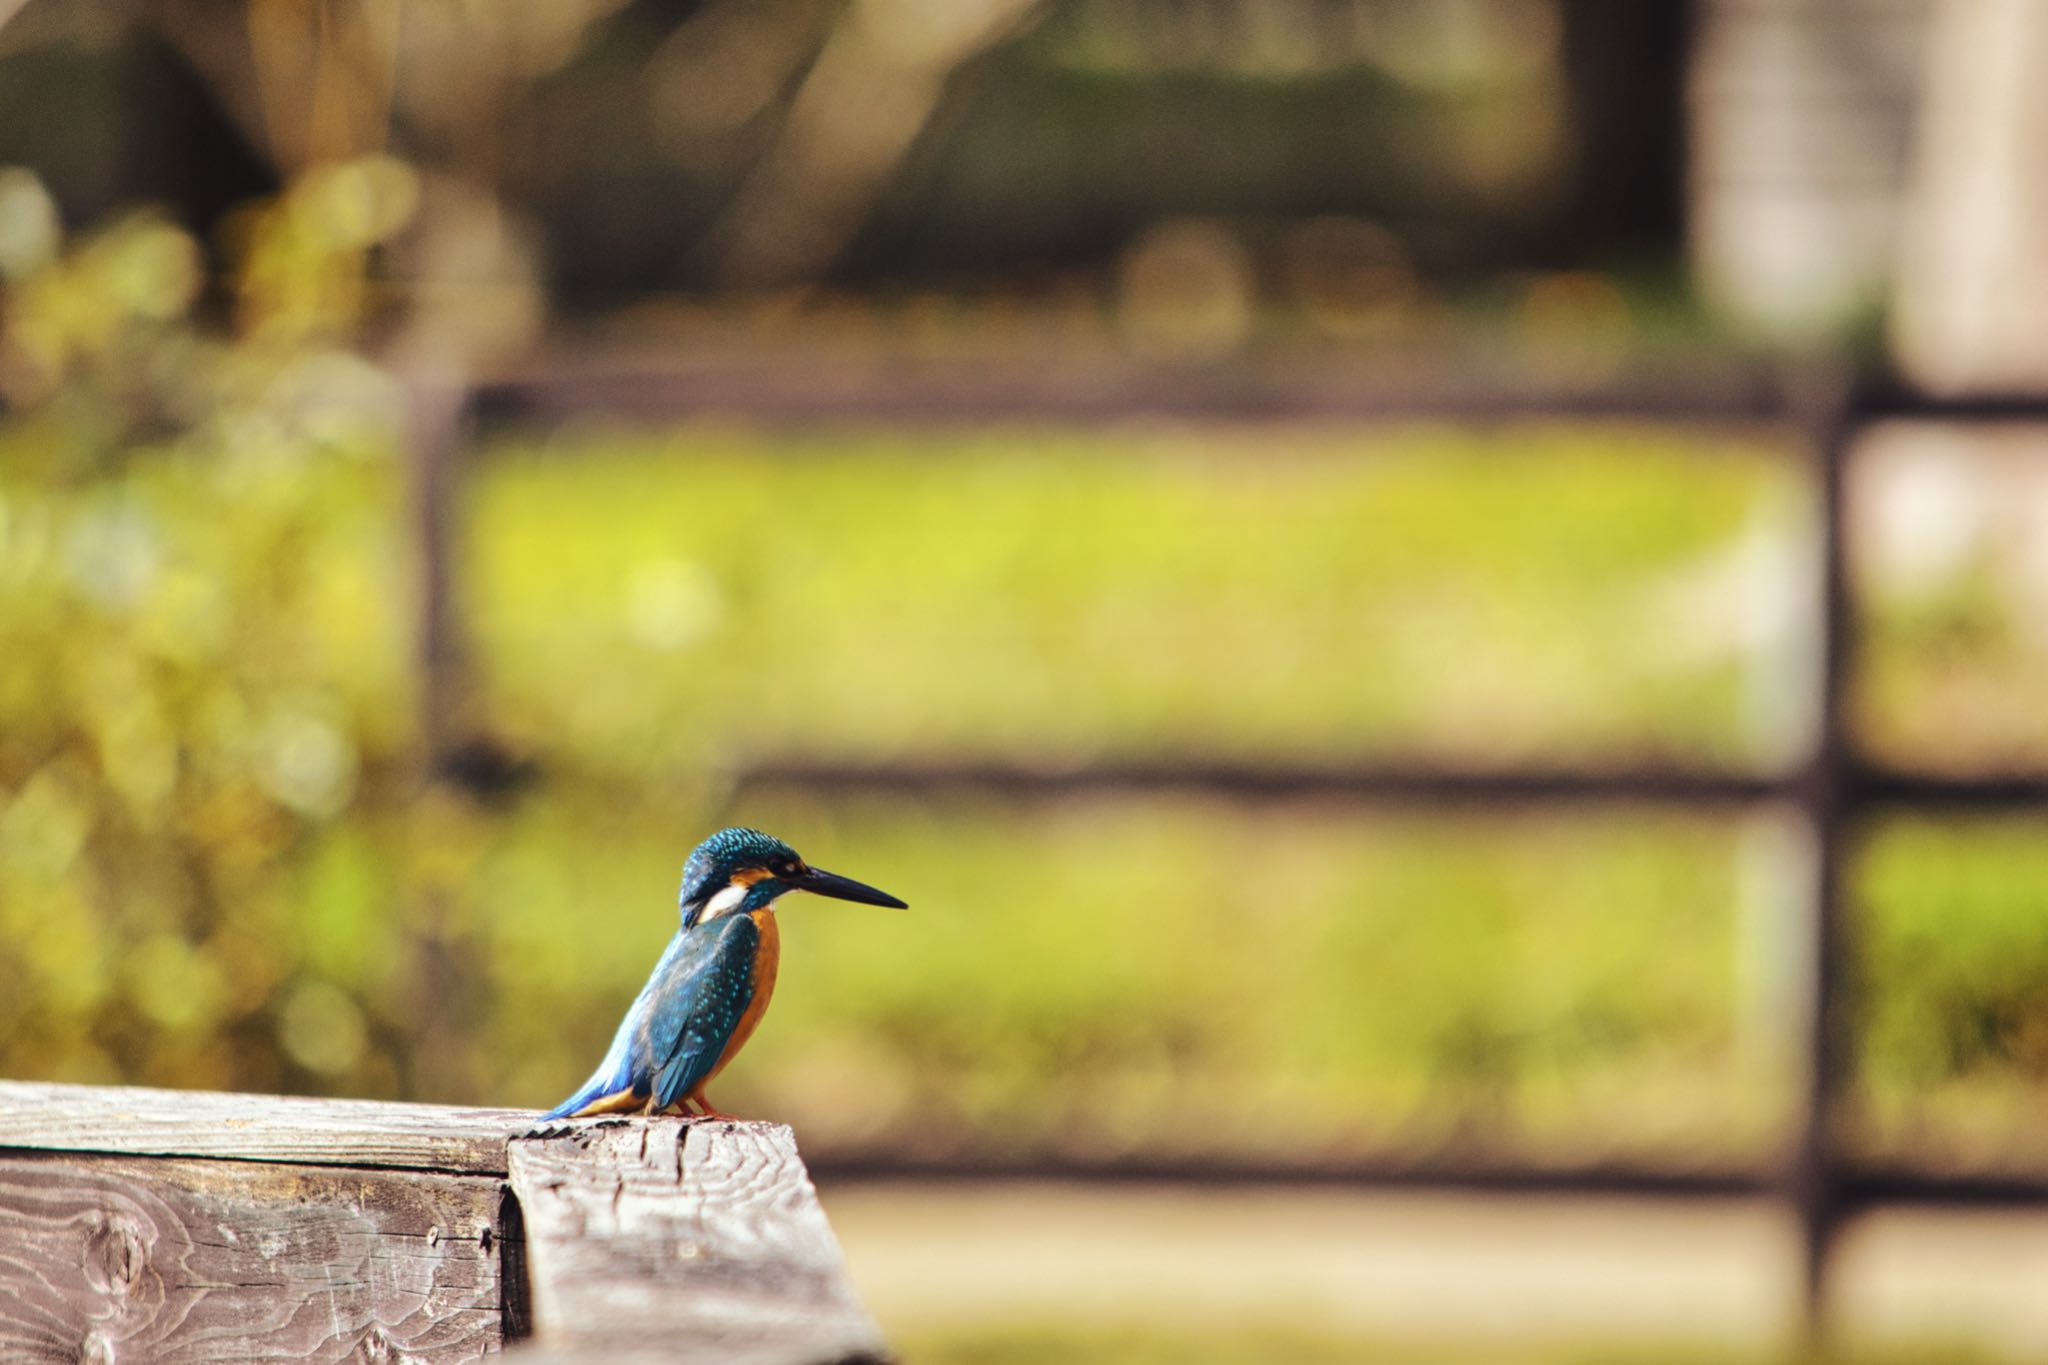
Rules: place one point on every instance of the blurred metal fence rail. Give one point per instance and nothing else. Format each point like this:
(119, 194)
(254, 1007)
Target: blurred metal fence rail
(1861, 1183)
(1397, 783)
(1826, 408)
(1717, 392)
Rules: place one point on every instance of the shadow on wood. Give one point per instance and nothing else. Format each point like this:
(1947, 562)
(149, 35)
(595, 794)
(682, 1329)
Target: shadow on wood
(173, 1226)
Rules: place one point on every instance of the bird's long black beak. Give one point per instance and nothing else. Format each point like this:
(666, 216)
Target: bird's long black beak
(842, 888)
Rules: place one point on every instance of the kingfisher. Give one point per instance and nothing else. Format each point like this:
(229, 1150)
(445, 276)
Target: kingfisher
(712, 984)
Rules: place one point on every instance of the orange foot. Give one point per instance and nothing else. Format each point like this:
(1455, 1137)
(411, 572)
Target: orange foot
(712, 1111)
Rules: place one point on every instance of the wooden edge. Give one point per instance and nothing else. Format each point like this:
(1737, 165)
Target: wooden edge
(37, 1116)
(680, 1239)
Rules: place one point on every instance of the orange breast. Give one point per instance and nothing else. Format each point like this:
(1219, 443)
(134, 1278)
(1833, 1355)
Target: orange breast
(767, 958)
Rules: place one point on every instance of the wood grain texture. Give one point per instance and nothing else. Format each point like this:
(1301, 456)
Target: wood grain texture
(682, 1240)
(112, 1258)
(86, 1118)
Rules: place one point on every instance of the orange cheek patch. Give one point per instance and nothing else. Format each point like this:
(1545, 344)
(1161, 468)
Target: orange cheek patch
(747, 876)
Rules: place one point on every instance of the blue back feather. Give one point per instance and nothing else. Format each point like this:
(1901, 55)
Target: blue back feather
(682, 1019)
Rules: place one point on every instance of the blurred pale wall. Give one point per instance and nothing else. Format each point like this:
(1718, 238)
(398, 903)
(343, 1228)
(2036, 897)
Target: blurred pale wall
(1973, 272)
(1802, 118)
(1858, 157)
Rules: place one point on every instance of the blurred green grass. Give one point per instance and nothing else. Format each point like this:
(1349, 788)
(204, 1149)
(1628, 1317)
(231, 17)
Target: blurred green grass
(216, 867)
(1948, 526)
(1280, 592)
(1103, 976)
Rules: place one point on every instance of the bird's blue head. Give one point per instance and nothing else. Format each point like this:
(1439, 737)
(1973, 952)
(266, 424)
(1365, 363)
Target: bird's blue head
(745, 870)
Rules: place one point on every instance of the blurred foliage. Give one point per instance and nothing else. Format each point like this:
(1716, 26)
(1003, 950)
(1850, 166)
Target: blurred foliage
(1953, 977)
(201, 603)
(218, 865)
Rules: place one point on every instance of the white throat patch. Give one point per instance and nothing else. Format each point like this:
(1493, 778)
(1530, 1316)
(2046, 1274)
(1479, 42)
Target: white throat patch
(724, 903)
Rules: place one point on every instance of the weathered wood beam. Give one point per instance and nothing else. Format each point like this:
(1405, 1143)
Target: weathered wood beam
(185, 1227)
(677, 1240)
(106, 1258)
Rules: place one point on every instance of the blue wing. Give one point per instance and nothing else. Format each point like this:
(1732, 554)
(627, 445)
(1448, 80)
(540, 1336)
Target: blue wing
(696, 1011)
(681, 1021)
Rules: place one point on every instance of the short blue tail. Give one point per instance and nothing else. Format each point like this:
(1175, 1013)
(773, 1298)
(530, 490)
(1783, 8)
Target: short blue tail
(613, 1074)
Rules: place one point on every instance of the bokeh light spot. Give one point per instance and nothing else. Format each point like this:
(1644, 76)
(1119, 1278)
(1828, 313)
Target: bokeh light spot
(321, 1028)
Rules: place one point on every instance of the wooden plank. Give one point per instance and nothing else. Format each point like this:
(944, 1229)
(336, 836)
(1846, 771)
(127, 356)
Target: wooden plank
(84, 1118)
(106, 1258)
(688, 1240)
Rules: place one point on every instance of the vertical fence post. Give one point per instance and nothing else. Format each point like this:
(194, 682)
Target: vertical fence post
(1827, 412)
(438, 407)
(444, 975)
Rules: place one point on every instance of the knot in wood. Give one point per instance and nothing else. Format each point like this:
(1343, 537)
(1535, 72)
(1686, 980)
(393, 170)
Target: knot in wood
(377, 1348)
(115, 1254)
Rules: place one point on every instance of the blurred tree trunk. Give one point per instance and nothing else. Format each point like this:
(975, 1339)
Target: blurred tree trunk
(854, 117)
(1625, 80)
